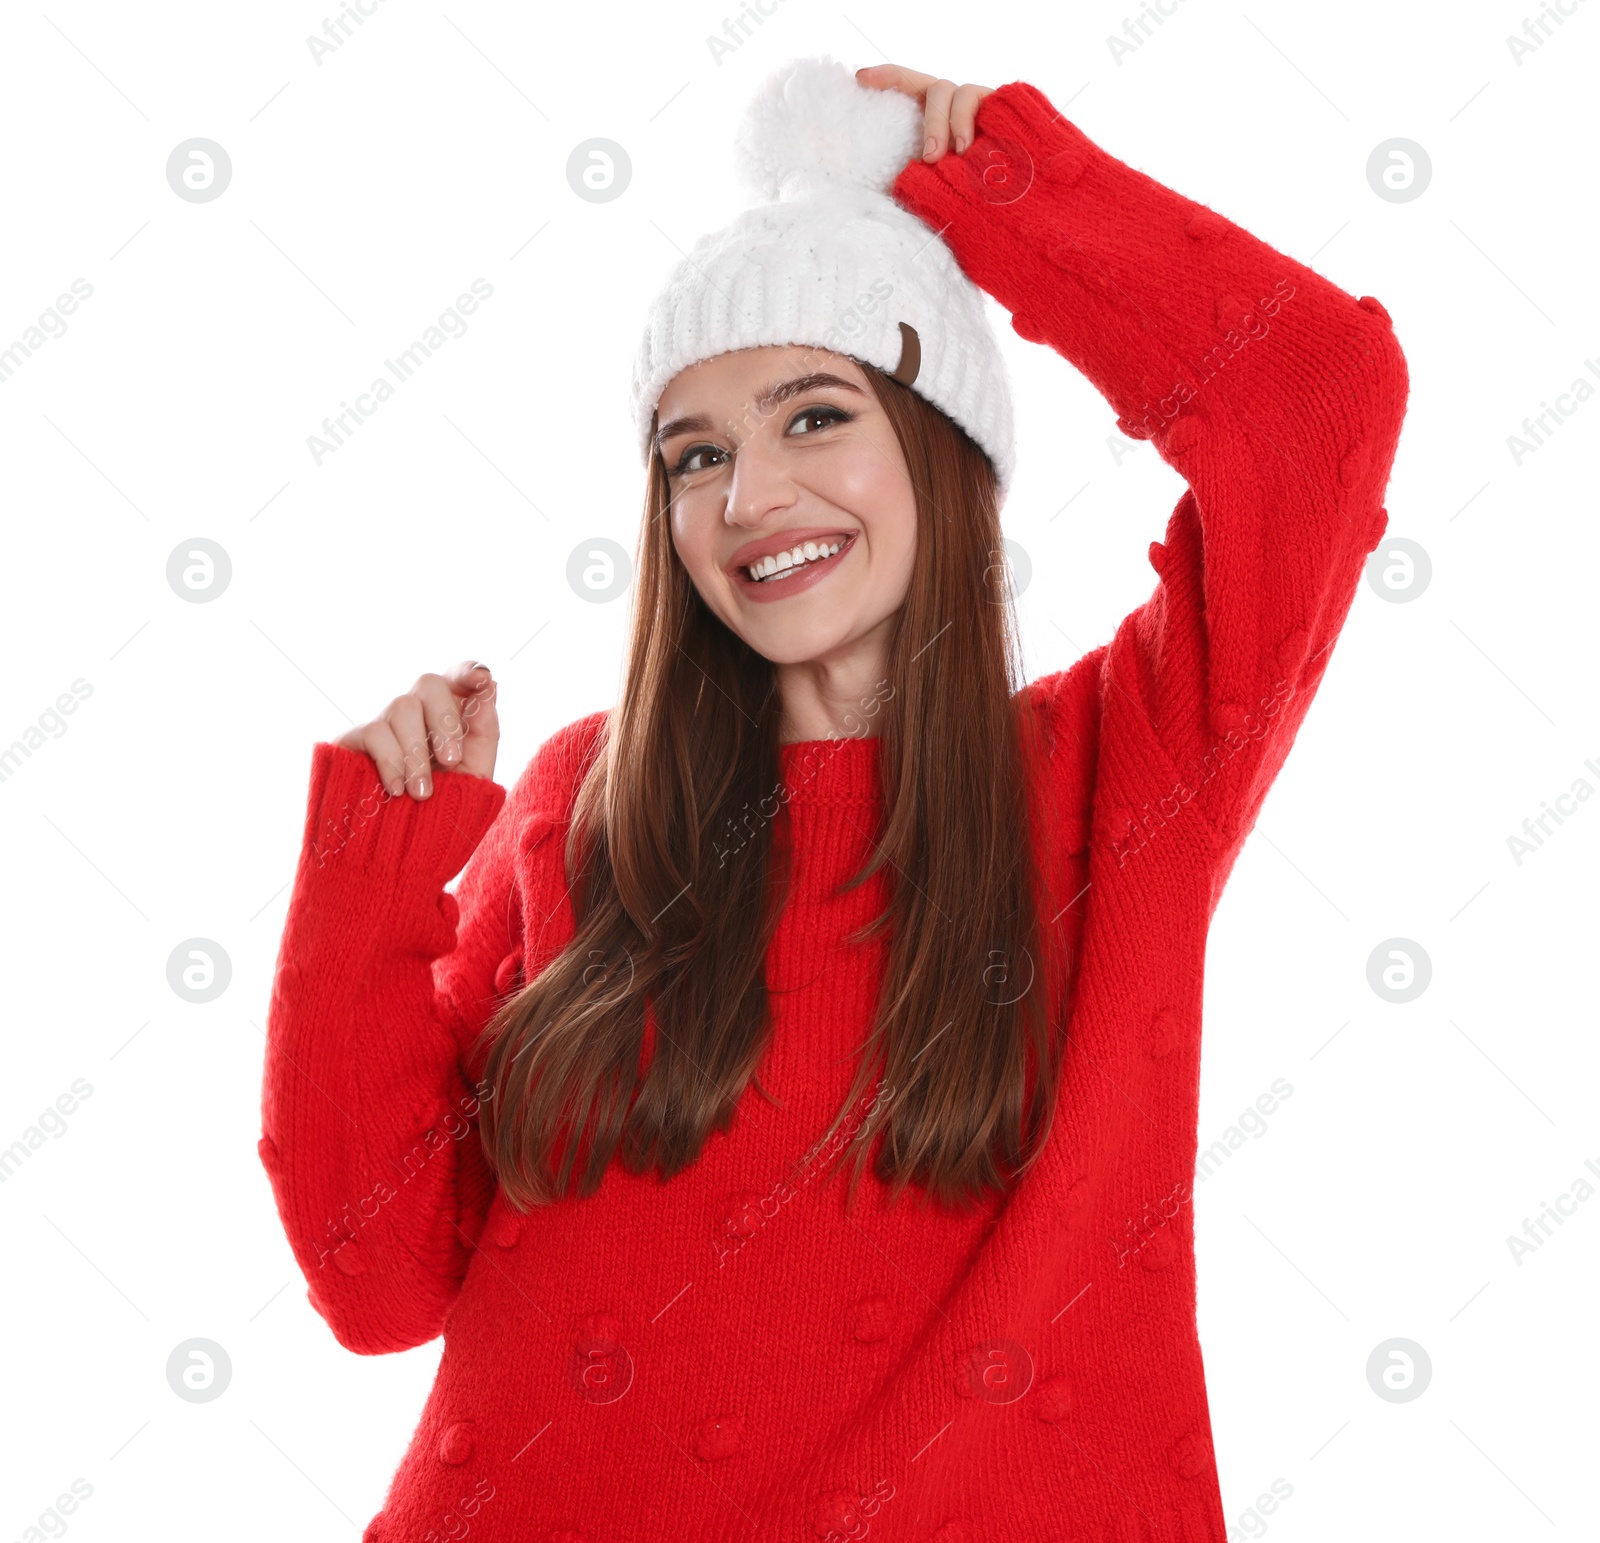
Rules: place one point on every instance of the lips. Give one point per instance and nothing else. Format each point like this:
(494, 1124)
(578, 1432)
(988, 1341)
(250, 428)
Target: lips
(784, 541)
(795, 579)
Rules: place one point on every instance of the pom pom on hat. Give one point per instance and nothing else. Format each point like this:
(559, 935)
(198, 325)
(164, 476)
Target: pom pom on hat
(813, 125)
(829, 259)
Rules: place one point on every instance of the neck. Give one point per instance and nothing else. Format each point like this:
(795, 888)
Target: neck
(839, 694)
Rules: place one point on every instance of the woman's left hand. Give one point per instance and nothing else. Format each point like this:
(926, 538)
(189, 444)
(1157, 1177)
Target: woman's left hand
(948, 109)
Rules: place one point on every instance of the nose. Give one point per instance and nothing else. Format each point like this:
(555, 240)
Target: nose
(760, 486)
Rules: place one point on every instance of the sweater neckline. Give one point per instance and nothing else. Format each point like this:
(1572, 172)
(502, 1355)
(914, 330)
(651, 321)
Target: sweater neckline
(831, 771)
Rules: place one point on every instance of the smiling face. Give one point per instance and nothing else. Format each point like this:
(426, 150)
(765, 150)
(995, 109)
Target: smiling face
(783, 459)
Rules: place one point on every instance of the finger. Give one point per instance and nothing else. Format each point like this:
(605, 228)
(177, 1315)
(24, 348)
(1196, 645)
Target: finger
(480, 713)
(405, 720)
(471, 682)
(964, 115)
(441, 717)
(378, 740)
(895, 77)
(936, 119)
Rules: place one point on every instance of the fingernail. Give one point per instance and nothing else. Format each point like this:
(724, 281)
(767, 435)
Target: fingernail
(930, 145)
(961, 144)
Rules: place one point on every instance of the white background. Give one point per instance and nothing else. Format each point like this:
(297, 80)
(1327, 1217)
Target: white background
(367, 193)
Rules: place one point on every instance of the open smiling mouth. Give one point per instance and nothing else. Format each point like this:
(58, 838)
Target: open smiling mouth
(804, 557)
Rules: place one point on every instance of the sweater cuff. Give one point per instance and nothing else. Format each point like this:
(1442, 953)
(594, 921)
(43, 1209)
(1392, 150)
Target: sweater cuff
(357, 829)
(1020, 142)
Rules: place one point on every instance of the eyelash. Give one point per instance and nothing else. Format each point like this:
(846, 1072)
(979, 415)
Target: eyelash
(832, 414)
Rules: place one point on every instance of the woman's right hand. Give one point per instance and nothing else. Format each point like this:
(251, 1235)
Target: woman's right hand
(447, 721)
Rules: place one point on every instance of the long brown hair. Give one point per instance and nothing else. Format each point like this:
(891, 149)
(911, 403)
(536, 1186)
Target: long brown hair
(963, 1038)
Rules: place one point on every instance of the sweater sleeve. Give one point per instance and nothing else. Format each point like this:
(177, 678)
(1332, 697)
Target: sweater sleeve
(368, 1129)
(1276, 396)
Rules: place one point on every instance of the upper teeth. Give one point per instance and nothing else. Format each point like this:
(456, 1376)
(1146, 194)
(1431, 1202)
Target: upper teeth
(806, 551)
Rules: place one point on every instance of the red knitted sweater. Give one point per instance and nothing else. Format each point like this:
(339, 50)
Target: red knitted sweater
(733, 1355)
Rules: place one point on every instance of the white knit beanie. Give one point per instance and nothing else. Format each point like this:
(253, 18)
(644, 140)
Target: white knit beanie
(830, 259)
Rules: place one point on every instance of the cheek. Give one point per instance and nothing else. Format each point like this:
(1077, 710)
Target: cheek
(872, 484)
(884, 500)
(868, 476)
(691, 539)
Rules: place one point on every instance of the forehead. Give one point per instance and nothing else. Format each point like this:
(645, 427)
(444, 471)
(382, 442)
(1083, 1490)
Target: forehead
(742, 372)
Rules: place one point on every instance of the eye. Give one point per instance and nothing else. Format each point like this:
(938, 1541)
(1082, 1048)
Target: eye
(691, 454)
(823, 413)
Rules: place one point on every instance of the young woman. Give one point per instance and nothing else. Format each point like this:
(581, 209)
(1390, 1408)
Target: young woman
(829, 893)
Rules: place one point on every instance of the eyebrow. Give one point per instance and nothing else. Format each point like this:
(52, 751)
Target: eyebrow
(766, 399)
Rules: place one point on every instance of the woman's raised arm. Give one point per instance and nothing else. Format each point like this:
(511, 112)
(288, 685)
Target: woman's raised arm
(1275, 394)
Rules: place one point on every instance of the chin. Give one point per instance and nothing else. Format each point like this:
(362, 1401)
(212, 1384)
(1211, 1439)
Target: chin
(785, 650)
(796, 642)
